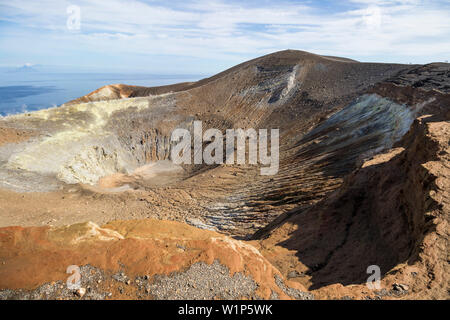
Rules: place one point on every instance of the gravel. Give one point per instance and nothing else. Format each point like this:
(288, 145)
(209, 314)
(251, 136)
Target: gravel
(200, 282)
(58, 290)
(294, 293)
(203, 282)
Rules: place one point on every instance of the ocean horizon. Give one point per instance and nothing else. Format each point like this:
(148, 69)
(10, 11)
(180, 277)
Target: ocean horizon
(32, 91)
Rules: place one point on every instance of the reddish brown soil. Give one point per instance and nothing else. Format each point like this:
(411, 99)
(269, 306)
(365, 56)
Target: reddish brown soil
(146, 247)
(11, 135)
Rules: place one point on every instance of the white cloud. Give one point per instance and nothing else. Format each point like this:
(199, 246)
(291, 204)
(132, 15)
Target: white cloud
(232, 31)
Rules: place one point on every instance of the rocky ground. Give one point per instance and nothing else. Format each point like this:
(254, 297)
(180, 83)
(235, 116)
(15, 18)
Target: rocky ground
(363, 180)
(145, 259)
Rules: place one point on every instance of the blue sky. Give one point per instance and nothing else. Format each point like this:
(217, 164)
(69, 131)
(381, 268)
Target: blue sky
(204, 37)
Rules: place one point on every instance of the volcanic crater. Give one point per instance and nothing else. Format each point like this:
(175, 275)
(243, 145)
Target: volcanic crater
(363, 180)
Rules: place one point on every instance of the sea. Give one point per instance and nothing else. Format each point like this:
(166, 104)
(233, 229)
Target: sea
(22, 92)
